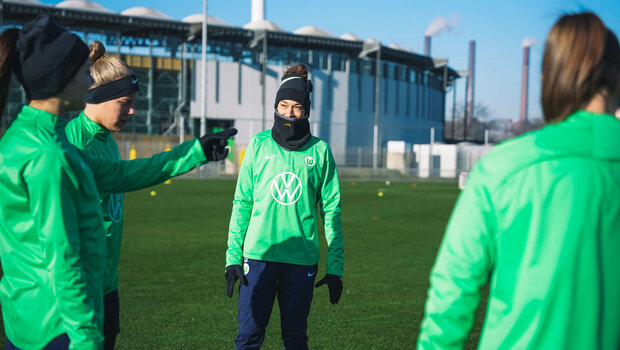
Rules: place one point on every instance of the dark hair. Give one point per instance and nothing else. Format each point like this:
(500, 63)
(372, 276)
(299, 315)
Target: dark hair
(582, 59)
(298, 69)
(8, 60)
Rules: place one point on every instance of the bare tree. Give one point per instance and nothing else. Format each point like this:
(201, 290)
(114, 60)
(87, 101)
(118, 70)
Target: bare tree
(476, 124)
(499, 129)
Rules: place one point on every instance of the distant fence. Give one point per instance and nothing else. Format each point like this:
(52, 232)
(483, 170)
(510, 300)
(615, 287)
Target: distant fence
(444, 165)
(437, 162)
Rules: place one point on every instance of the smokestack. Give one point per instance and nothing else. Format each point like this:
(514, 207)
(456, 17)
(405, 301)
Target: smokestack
(258, 10)
(524, 83)
(438, 25)
(427, 45)
(469, 102)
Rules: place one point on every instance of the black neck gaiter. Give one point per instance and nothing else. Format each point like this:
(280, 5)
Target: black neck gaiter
(290, 133)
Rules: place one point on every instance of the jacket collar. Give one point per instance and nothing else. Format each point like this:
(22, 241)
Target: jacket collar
(43, 119)
(606, 137)
(583, 133)
(93, 129)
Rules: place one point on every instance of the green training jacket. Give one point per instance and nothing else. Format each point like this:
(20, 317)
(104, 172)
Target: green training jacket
(52, 242)
(91, 138)
(51, 237)
(275, 205)
(539, 220)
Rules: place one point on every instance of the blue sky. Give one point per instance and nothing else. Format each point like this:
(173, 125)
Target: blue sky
(498, 26)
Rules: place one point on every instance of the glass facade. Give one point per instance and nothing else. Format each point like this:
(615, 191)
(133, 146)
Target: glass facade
(157, 63)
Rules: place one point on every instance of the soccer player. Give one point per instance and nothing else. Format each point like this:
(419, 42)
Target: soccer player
(109, 105)
(52, 241)
(51, 234)
(285, 174)
(539, 219)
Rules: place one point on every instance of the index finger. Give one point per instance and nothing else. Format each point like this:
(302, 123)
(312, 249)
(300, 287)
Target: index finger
(228, 132)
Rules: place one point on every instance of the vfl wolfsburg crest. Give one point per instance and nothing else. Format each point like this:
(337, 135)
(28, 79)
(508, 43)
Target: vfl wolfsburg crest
(309, 161)
(286, 188)
(115, 207)
(246, 268)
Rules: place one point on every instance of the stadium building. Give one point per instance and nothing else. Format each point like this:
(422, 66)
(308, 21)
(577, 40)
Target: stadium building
(362, 88)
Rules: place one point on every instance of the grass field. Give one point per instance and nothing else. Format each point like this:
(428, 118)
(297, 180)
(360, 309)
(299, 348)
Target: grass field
(172, 284)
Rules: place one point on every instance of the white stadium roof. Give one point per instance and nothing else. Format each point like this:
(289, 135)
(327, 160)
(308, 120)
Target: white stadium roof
(312, 30)
(264, 25)
(351, 37)
(140, 11)
(84, 5)
(197, 18)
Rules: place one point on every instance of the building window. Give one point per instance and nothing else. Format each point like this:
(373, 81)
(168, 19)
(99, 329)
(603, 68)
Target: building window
(354, 66)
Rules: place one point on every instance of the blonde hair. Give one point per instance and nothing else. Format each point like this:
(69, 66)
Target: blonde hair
(105, 69)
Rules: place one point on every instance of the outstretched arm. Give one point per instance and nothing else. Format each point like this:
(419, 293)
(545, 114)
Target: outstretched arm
(125, 176)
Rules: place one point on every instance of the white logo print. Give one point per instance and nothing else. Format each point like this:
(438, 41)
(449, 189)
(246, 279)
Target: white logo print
(270, 156)
(287, 79)
(246, 268)
(286, 188)
(115, 207)
(309, 161)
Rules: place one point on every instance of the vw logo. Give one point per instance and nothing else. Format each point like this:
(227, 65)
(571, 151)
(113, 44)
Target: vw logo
(115, 207)
(286, 188)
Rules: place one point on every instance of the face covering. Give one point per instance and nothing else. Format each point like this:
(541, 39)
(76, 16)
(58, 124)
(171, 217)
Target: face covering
(290, 133)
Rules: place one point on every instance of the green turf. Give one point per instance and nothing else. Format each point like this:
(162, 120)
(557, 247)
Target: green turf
(172, 284)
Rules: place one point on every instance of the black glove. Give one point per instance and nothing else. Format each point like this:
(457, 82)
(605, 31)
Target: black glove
(214, 145)
(334, 283)
(233, 272)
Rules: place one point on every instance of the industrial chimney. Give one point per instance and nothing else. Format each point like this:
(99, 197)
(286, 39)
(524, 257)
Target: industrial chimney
(469, 101)
(525, 78)
(258, 10)
(427, 45)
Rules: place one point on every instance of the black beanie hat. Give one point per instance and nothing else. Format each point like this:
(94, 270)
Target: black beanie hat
(296, 88)
(49, 57)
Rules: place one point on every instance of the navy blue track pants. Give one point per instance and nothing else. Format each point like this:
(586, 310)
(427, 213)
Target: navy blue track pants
(293, 285)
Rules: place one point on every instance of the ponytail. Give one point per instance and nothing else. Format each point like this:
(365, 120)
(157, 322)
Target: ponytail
(8, 61)
(298, 69)
(105, 69)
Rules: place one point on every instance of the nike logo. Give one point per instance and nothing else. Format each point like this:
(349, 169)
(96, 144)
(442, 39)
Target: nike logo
(287, 79)
(133, 81)
(271, 156)
(311, 274)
